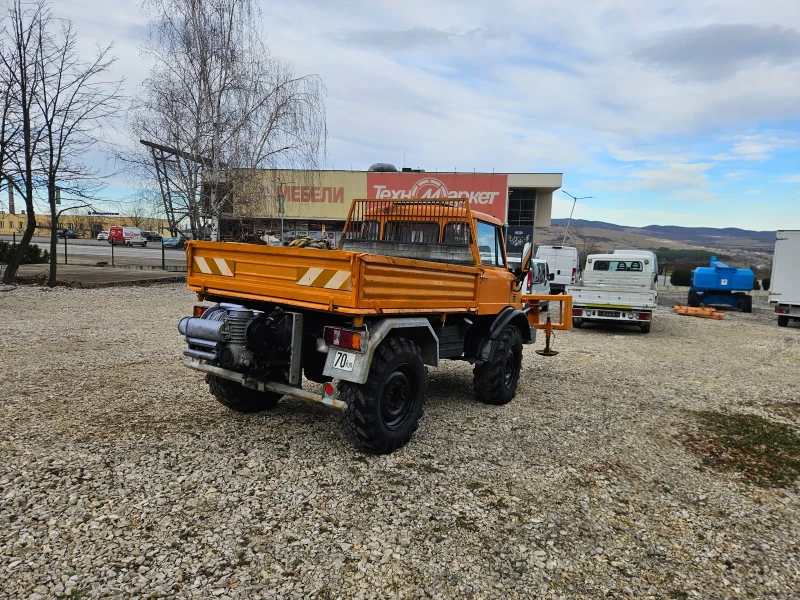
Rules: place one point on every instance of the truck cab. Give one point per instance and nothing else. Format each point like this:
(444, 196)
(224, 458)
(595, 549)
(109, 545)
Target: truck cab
(618, 288)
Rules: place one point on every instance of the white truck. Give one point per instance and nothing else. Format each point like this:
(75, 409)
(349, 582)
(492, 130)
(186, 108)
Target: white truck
(784, 288)
(619, 288)
(563, 264)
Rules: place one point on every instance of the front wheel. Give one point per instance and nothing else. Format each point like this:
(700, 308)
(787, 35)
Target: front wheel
(383, 413)
(496, 380)
(144, 245)
(695, 299)
(239, 398)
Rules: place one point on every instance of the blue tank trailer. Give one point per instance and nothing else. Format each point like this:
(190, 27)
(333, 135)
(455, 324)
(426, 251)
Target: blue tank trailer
(719, 284)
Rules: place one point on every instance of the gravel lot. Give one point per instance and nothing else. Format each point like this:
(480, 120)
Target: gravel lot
(121, 477)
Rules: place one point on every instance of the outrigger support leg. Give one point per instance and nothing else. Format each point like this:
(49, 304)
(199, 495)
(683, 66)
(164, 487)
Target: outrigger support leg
(548, 329)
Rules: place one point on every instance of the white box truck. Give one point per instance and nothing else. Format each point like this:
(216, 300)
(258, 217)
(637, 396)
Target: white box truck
(784, 287)
(563, 264)
(618, 288)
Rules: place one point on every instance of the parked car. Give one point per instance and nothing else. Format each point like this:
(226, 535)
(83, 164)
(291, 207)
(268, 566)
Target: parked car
(174, 243)
(538, 280)
(128, 236)
(151, 236)
(67, 233)
(103, 235)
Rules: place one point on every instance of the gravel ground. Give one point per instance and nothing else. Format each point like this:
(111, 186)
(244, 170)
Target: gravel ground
(121, 477)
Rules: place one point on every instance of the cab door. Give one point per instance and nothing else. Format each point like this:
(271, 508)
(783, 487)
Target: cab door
(495, 287)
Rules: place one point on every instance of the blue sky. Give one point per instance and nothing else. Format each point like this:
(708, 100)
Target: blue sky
(668, 113)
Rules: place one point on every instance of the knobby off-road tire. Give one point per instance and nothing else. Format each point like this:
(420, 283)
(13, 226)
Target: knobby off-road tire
(239, 398)
(747, 304)
(783, 321)
(694, 299)
(496, 380)
(383, 413)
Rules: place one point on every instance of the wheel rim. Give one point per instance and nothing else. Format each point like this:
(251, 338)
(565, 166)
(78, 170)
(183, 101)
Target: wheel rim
(510, 367)
(397, 400)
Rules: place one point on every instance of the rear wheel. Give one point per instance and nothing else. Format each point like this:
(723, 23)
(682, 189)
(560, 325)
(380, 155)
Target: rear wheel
(577, 322)
(783, 321)
(383, 413)
(239, 398)
(645, 327)
(496, 380)
(746, 303)
(695, 299)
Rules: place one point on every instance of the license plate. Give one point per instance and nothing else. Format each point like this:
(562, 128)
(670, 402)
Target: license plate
(344, 361)
(607, 313)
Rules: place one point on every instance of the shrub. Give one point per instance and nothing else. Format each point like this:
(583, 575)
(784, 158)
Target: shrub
(681, 277)
(756, 285)
(765, 283)
(33, 254)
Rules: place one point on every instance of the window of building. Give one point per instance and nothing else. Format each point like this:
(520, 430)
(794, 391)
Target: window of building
(2, 224)
(490, 245)
(409, 231)
(521, 206)
(21, 225)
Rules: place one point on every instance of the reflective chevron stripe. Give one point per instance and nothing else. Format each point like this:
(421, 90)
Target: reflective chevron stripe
(332, 279)
(215, 266)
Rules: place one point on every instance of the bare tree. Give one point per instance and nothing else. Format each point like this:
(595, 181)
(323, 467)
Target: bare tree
(19, 51)
(58, 107)
(74, 101)
(221, 105)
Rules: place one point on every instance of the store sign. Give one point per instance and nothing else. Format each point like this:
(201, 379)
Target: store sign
(518, 240)
(486, 193)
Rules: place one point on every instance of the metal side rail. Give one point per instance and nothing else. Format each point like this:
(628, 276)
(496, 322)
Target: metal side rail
(267, 386)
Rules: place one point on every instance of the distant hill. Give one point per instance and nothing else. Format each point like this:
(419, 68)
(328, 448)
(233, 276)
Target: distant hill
(728, 237)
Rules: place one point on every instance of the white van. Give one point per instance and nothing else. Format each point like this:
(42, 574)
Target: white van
(563, 264)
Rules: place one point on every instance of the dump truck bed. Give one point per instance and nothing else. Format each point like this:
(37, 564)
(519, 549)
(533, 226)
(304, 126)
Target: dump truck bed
(343, 281)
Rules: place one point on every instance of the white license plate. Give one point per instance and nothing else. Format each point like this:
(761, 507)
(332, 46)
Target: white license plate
(608, 313)
(344, 361)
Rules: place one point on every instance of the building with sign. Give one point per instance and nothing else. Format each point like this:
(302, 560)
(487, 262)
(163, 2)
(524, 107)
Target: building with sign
(316, 203)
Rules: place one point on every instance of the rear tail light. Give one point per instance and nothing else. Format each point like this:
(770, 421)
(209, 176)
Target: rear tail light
(530, 280)
(198, 310)
(574, 272)
(343, 338)
(577, 312)
(644, 316)
(783, 311)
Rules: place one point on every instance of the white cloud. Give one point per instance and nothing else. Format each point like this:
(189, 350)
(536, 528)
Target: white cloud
(790, 179)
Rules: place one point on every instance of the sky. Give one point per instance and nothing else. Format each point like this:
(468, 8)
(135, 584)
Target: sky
(667, 113)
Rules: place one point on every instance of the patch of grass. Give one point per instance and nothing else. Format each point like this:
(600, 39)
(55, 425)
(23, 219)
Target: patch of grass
(765, 453)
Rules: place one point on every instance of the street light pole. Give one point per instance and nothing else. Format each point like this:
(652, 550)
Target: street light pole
(574, 202)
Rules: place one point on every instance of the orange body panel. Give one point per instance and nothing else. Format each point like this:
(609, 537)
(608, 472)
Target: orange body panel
(352, 282)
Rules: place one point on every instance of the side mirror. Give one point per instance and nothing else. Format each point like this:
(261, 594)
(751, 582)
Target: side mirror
(518, 272)
(552, 276)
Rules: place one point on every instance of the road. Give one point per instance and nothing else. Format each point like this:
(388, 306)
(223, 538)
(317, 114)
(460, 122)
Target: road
(93, 251)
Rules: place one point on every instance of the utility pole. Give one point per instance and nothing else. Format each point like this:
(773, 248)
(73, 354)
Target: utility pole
(574, 202)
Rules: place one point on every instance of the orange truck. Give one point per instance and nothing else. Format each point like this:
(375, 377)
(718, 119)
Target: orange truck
(411, 283)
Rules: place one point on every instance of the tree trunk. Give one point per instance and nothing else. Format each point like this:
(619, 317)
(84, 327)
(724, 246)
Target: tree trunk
(15, 261)
(52, 277)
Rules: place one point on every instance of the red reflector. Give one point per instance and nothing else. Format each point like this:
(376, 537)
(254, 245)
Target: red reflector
(328, 387)
(577, 312)
(574, 272)
(199, 310)
(343, 338)
(644, 316)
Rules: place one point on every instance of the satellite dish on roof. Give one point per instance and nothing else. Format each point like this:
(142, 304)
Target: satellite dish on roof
(383, 168)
